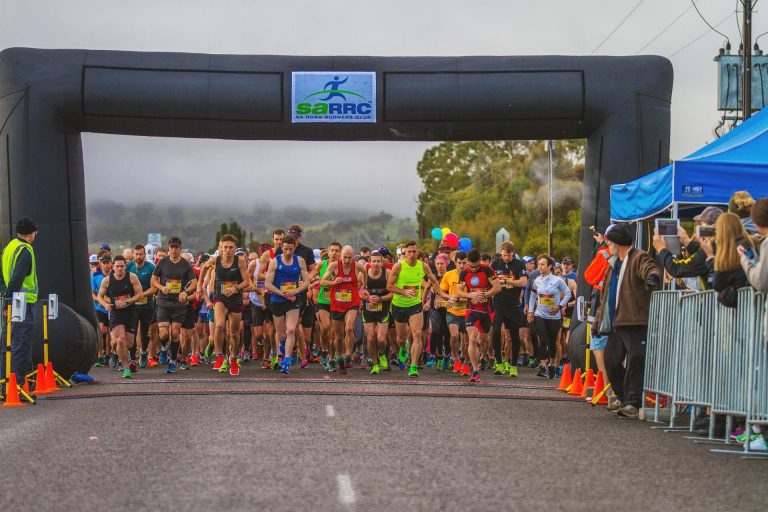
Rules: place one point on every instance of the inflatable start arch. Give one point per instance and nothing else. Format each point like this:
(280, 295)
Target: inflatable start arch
(48, 97)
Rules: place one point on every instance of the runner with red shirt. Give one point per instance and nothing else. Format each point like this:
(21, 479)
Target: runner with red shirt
(478, 283)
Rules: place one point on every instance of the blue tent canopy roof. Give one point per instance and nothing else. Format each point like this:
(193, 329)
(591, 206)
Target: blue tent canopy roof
(736, 161)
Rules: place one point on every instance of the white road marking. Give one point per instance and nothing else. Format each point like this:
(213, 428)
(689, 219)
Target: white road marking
(346, 492)
(329, 411)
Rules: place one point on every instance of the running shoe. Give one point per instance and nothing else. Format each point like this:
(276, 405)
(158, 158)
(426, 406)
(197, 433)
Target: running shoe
(132, 366)
(99, 362)
(559, 371)
(551, 373)
(171, 367)
(483, 364)
(742, 438)
(457, 366)
(184, 364)
(163, 359)
(195, 360)
(375, 369)
(266, 364)
(402, 355)
(475, 377)
(446, 363)
(513, 371)
(542, 372)
(506, 368)
(152, 362)
(113, 360)
(757, 445)
(465, 369)
(520, 361)
(127, 373)
(275, 363)
(143, 359)
(439, 364)
(217, 364)
(533, 363)
(324, 359)
(384, 364)
(209, 351)
(247, 356)
(234, 367)
(342, 369)
(282, 348)
(431, 362)
(304, 363)
(224, 365)
(413, 371)
(498, 369)
(285, 366)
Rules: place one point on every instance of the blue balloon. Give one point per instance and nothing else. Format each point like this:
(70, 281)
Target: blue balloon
(437, 233)
(465, 244)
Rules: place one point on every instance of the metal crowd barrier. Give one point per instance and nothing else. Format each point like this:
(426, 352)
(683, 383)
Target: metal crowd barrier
(702, 354)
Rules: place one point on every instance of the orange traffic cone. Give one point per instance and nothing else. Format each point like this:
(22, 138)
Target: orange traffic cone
(12, 396)
(599, 387)
(25, 387)
(41, 382)
(565, 379)
(588, 383)
(50, 378)
(576, 386)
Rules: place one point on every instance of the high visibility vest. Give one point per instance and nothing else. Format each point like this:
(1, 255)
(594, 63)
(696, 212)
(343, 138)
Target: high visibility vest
(10, 256)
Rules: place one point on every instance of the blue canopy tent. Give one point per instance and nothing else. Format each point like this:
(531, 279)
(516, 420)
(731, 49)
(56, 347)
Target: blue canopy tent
(736, 161)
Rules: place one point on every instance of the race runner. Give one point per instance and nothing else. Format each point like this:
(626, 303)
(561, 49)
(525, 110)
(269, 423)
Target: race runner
(376, 313)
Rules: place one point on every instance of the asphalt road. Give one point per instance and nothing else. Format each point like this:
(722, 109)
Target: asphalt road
(315, 442)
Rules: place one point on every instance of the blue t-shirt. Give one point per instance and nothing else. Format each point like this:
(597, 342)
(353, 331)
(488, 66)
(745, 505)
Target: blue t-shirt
(96, 280)
(145, 277)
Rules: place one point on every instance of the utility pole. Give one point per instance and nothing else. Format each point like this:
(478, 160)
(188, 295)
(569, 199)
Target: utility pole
(550, 245)
(746, 85)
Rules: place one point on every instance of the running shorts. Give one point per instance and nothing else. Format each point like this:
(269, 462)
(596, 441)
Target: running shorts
(260, 315)
(124, 318)
(102, 317)
(281, 308)
(171, 314)
(190, 320)
(235, 308)
(403, 315)
(307, 315)
(478, 320)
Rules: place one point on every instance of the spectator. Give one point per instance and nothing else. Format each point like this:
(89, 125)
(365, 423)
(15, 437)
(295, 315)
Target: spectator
(741, 203)
(728, 275)
(594, 275)
(692, 268)
(623, 316)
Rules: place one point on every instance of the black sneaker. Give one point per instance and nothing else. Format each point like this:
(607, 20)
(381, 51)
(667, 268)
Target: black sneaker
(551, 372)
(629, 411)
(542, 372)
(113, 360)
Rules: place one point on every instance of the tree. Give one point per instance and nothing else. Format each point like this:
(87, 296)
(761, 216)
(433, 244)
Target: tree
(233, 229)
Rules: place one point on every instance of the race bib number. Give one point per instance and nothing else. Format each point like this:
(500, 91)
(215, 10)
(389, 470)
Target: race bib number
(343, 296)
(414, 288)
(228, 285)
(174, 286)
(142, 300)
(566, 322)
(326, 295)
(461, 304)
(122, 297)
(287, 287)
(374, 307)
(440, 303)
(547, 300)
(482, 299)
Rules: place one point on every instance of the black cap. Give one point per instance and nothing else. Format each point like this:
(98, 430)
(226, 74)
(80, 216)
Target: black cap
(106, 259)
(620, 234)
(174, 240)
(568, 260)
(25, 226)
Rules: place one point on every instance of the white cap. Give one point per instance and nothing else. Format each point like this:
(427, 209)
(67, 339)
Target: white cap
(93, 258)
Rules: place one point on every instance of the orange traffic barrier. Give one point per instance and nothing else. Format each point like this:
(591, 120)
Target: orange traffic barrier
(576, 386)
(599, 395)
(588, 383)
(41, 382)
(12, 396)
(50, 377)
(565, 378)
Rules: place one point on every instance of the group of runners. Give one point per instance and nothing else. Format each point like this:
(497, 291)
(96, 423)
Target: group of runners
(290, 306)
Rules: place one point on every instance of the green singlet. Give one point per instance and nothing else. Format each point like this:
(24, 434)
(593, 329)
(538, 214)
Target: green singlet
(409, 277)
(324, 297)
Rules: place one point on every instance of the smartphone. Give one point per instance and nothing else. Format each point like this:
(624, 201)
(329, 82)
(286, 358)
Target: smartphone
(705, 231)
(667, 227)
(748, 251)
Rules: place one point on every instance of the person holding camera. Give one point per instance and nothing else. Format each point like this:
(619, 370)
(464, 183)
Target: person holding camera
(727, 274)
(692, 268)
(623, 316)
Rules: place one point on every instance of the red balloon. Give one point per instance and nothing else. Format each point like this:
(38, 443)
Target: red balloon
(452, 240)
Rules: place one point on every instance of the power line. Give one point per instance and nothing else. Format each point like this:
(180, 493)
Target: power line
(649, 43)
(705, 21)
(727, 17)
(617, 27)
(736, 14)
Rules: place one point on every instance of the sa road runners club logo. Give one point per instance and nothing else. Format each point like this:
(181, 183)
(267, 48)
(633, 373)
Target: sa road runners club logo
(335, 97)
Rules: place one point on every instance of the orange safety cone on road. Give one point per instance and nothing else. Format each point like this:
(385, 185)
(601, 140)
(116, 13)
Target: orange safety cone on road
(588, 383)
(12, 393)
(565, 378)
(600, 391)
(50, 377)
(41, 382)
(25, 387)
(576, 386)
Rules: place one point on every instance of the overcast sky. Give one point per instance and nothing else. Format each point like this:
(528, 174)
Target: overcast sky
(365, 27)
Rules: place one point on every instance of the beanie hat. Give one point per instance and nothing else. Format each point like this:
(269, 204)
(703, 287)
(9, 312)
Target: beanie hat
(620, 234)
(25, 226)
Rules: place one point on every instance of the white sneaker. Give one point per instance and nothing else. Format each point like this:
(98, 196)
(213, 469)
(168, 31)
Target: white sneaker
(758, 445)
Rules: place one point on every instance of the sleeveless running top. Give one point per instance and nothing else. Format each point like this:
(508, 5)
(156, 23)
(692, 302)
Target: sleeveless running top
(227, 278)
(377, 286)
(255, 297)
(120, 289)
(345, 296)
(286, 277)
(410, 277)
(324, 295)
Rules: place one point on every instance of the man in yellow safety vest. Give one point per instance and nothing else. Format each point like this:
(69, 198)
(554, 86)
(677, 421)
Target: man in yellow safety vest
(19, 274)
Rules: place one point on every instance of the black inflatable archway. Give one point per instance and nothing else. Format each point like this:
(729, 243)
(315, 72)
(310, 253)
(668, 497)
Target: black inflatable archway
(48, 97)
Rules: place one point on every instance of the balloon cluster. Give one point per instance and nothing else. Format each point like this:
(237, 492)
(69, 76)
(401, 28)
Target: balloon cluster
(451, 239)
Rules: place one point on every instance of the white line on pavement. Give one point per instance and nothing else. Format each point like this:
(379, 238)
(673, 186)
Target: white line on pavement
(329, 411)
(346, 492)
